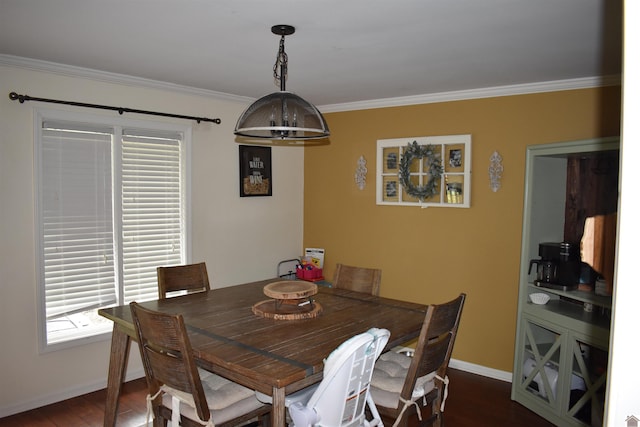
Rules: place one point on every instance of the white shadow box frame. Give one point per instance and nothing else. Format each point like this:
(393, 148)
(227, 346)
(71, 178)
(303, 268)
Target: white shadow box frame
(451, 189)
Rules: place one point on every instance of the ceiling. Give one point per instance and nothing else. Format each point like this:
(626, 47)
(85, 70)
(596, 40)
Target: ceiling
(343, 51)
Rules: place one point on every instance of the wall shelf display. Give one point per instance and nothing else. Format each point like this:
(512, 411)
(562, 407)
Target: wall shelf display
(424, 171)
(560, 366)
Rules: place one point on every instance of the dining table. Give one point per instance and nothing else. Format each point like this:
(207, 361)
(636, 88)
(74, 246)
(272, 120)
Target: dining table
(273, 355)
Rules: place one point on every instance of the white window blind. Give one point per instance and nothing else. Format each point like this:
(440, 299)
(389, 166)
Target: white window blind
(77, 221)
(111, 210)
(152, 214)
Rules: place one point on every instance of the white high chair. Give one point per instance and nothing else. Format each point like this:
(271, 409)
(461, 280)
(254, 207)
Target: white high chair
(339, 400)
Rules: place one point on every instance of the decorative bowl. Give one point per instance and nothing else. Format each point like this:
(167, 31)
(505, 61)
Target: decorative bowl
(539, 298)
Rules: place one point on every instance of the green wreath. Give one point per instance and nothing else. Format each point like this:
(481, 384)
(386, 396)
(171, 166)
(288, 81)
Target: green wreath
(415, 151)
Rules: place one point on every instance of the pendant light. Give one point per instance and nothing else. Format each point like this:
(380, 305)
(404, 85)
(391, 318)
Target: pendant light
(282, 118)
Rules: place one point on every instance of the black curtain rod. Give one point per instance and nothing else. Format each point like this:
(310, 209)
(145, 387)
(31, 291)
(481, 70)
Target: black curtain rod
(22, 98)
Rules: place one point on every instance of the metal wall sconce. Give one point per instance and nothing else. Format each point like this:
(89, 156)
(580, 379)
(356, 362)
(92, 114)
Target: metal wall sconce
(495, 171)
(361, 173)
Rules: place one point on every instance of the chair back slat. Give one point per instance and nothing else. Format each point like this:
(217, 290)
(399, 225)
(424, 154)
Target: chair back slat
(358, 279)
(190, 278)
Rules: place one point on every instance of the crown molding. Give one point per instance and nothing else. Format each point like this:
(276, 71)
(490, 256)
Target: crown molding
(490, 92)
(522, 89)
(107, 77)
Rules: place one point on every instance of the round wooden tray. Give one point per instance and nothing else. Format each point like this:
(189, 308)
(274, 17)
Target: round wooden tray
(290, 289)
(272, 309)
(291, 301)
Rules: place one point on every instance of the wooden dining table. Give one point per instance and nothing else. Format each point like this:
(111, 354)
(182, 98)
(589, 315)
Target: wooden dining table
(273, 356)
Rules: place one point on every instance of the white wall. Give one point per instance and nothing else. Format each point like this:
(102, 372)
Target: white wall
(624, 376)
(241, 239)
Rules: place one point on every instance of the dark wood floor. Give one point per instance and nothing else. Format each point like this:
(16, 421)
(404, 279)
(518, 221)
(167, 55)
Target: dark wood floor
(473, 401)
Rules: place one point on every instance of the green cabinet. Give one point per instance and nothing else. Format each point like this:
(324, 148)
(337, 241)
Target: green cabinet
(561, 347)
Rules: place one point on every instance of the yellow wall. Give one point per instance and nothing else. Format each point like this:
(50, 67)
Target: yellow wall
(431, 255)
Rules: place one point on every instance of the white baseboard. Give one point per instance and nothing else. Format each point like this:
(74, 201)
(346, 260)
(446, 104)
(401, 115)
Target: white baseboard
(472, 368)
(61, 395)
(481, 370)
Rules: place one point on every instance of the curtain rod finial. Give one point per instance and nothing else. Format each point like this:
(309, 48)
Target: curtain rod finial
(13, 96)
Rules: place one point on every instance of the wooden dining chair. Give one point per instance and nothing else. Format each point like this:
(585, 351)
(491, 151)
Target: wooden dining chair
(359, 279)
(403, 385)
(189, 278)
(178, 390)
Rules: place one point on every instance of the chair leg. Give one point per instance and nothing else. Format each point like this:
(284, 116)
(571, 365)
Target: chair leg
(433, 420)
(436, 414)
(159, 421)
(409, 414)
(265, 420)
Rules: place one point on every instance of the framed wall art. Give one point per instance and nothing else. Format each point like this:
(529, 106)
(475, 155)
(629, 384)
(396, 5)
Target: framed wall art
(255, 171)
(424, 171)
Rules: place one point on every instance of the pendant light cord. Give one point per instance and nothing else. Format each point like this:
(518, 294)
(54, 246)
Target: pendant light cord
(280, 67)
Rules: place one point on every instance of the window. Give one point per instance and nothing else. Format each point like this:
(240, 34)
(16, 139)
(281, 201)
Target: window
(111, 207)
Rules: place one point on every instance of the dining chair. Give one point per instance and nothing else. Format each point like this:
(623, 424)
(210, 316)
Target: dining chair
(189, 278)
(178, 390)
(357, 279)
(403, 384)
(340, 399)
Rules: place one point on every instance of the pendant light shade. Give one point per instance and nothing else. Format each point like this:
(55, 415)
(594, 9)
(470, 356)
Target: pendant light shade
(282, 118)
(282, 115)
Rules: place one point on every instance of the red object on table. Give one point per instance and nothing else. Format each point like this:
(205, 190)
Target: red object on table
(309, 272)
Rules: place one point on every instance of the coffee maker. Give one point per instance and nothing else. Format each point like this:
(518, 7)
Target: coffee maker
(558, 266)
